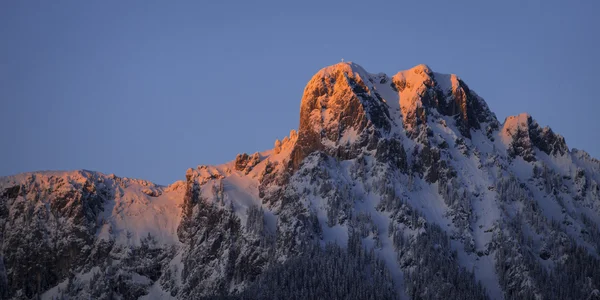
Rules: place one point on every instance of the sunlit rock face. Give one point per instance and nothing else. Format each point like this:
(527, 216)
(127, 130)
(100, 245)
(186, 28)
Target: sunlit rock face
(340, 111)
(343, 111)
(522, 133)
(421, 90)
(402, 186)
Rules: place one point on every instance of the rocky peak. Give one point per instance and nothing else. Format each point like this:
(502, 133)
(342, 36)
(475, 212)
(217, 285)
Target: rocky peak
(340, 112)
(521, 133)
(343, 110)
(416, 88)
(421, 90)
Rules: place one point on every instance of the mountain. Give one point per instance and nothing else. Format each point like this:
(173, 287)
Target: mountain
(393, 187)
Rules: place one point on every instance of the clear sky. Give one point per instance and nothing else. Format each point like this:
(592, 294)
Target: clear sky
(148, 89)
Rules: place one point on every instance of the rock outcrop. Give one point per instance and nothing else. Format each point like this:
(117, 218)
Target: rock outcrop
(522, 133)
(340, 112)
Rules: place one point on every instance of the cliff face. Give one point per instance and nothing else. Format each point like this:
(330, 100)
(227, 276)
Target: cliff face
(393, 187)
(340, 111)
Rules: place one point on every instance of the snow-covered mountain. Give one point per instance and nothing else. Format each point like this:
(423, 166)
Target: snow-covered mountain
(393, 187)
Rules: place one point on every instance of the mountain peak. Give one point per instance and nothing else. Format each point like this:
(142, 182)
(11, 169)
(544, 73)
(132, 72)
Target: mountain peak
(339, 103)
(345, 66)
(421, 69)
(345, 108)
(421, 90)
(521, 133)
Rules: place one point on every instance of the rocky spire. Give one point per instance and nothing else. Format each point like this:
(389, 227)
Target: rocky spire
(421, 90)
(522, 133)
(340, 112)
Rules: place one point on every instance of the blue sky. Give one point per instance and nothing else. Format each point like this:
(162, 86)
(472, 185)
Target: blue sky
(148, 89)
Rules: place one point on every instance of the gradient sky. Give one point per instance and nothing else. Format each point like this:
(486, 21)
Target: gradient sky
(148, 89)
